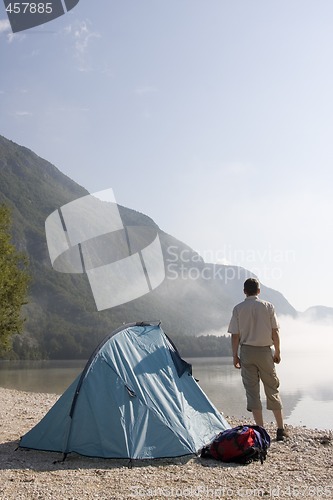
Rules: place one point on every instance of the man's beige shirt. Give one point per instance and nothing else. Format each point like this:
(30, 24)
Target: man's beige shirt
(254, 320)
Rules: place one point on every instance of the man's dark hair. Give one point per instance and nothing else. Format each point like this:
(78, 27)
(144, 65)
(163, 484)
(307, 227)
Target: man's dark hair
(251, 286)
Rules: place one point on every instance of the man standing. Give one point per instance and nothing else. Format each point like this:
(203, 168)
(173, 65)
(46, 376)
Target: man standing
(254, 328)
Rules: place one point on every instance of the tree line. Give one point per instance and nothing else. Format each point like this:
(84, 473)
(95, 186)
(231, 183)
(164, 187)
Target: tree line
(14, 280)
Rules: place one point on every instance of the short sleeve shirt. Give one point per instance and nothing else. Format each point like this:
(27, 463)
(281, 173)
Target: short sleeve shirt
(253, 319)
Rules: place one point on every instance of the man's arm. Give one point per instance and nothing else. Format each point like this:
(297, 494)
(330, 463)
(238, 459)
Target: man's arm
(235, 345)
(276, 343)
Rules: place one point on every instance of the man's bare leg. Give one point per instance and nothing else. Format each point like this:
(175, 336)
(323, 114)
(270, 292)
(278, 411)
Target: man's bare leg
(279, 418)
(257, 415)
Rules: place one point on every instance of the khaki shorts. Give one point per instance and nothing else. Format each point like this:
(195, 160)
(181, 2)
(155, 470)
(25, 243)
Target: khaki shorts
(257, 364)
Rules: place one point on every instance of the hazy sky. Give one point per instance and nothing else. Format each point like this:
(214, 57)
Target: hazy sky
(214, 117)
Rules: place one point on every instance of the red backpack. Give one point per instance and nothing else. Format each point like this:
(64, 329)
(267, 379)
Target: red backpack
(242, 444)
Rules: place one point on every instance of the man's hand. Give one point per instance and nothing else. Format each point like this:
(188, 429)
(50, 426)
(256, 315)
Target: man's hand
(277, 357)
(237, 363)
(235, 345)
(276, 343)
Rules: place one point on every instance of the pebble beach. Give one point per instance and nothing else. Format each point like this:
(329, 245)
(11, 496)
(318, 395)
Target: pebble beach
(299, 467)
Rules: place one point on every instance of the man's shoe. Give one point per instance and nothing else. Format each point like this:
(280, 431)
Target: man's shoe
(281, 434)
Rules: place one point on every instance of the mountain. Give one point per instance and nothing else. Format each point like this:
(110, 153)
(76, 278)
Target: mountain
(61, 318)
(318, 314)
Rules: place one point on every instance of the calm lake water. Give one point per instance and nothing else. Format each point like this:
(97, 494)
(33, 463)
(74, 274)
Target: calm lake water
(306, 384)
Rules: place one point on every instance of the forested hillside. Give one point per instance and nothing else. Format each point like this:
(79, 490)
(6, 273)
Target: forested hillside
(61, 317)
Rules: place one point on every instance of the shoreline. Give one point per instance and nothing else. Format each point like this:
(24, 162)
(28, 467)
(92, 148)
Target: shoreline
(299, 467)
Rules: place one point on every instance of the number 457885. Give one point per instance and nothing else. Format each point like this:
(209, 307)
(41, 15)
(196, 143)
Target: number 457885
(29, 8)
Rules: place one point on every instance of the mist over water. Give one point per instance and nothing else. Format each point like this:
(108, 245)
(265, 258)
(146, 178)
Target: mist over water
(306, 369)
(304, 335)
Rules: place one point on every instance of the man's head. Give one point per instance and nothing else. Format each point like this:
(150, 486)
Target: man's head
(251, 287)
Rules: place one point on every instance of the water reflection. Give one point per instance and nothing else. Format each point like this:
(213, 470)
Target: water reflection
(306, 389)
(39, 376)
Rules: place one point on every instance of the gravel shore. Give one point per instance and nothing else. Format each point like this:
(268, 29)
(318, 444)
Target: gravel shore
(300, 467)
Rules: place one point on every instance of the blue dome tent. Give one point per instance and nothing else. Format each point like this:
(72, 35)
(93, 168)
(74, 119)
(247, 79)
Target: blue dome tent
(136, 398)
